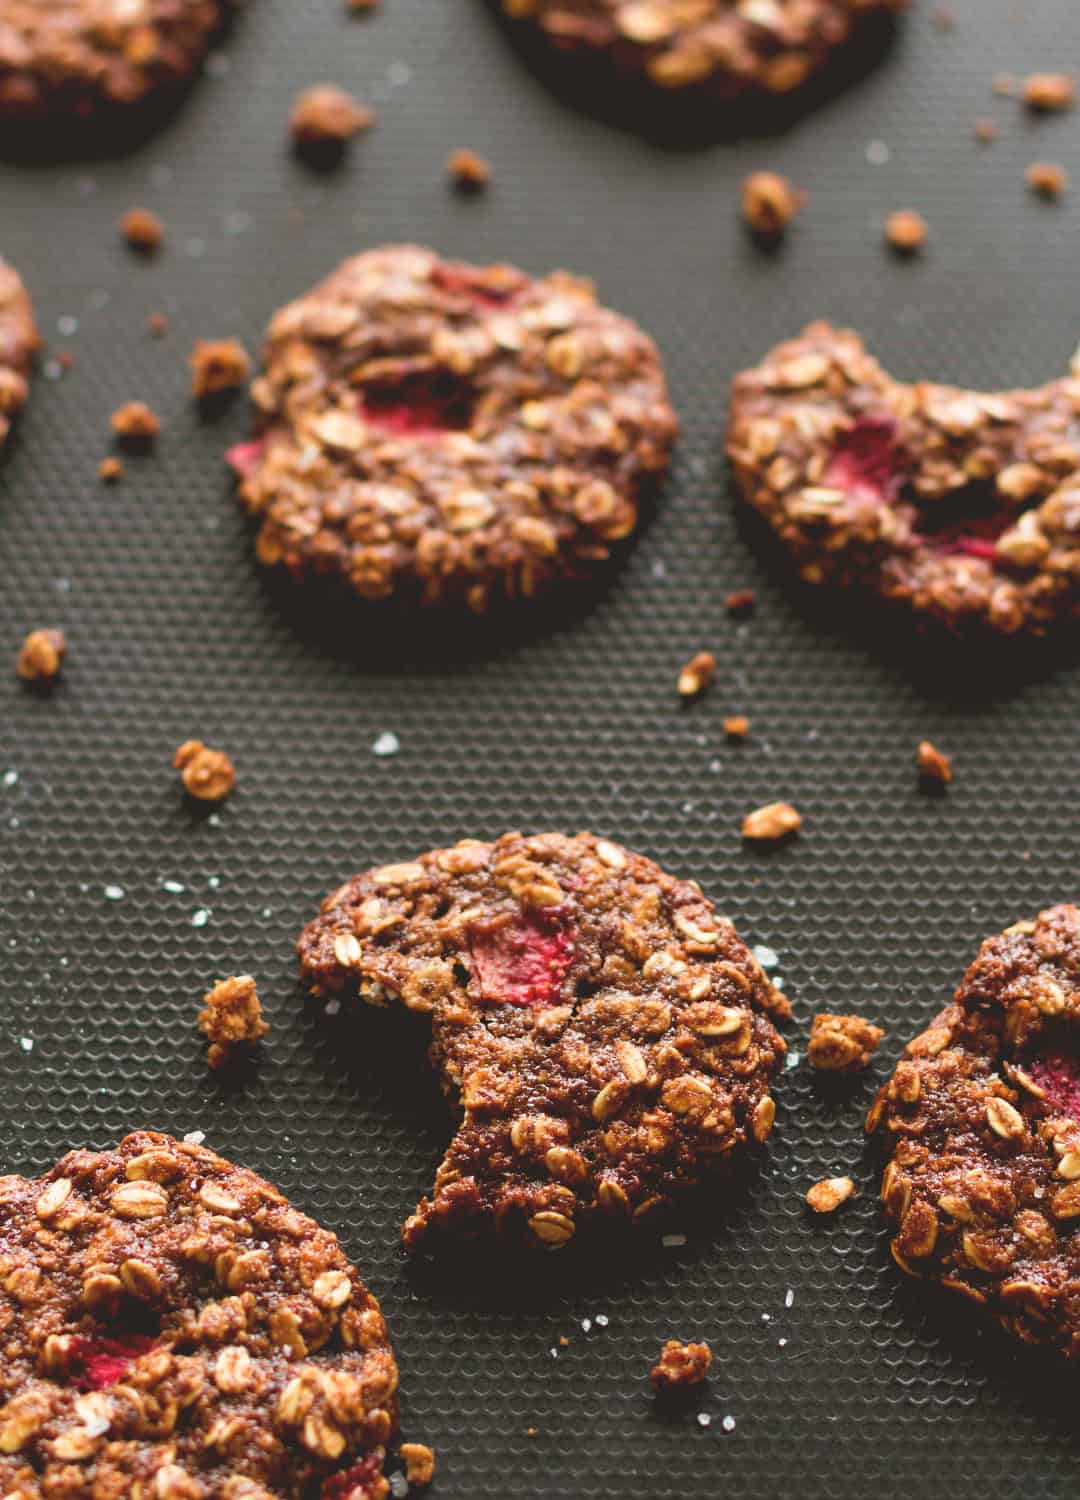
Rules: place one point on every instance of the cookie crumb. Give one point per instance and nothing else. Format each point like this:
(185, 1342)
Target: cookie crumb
(772, 822)
(1046, 179)
(419, 1462)
(697, 674)
(986, 131)
(361, 7)
(943, 19)
(1004, 85)
(468, 171)
(1047, 92)
(681, 1365)
(41, 655)
(327, 115)
(110, 469)
(218, 365)
(740, 603)
(825, 1197)
(906, 231)
(207, 774)
(157, 325)
(231, 1018)
(135, 422)
(769, 203)
(737, 727)
(934, 766)
(142, 230)
(531, 1432)
(842, 1044)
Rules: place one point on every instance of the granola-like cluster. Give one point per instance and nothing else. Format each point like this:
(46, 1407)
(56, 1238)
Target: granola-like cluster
(174, 1330)
(734, 46)
(842, 1044)
(605, 1033)
(76, 57)
(449, 432)
(982, 1118)
(18, 345)
(962, 507)
(231, 1019)
(681, 1365)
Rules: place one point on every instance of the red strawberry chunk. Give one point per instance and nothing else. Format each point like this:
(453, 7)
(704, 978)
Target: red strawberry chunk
(1059, 1074)
(417, 406)
(522, 961)
(244, 457)
(103, 1361)
(865, 462)
(354, 1483)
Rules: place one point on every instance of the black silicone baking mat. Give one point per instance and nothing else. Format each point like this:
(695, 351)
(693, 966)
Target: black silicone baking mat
(118, 906)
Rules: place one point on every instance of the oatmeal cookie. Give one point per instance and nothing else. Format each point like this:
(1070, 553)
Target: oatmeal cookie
(18, 344)
(77, 58)
(605, 1034)
(446, 432)
(962, 508)
(173, 1328)
(982, 1122)
(733, 47)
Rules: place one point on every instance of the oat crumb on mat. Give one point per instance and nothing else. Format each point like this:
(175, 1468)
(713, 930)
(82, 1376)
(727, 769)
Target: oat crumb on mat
(207, 774)
(697, 674)
(1047, 92)
(681, 1365)
(825, 1197)
(935, 767)
(135, 422)
(906, 231)
(419, 1462)
(231, 1018)
(41, 655)
(467, 170)
(218, 365)
(842, 1044)
(769, 203)
(327, 115)
(142, 229)
(768, 824)
(1046, 179)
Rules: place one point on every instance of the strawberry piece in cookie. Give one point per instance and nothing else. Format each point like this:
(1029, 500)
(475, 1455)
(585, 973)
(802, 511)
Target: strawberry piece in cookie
(608, 1036)
(101, 1361)
(418, 406)
(520, 960)
(959, 506)
(1058, 1074)
(982, 1122)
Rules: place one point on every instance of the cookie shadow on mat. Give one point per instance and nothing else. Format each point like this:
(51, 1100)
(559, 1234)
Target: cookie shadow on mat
(697, 116)
(971, 670)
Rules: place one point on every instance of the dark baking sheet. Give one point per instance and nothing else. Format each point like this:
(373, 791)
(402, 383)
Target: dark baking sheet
(878, 1386)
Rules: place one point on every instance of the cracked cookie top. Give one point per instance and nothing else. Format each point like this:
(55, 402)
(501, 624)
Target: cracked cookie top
(174, 1329)
(960, 506)
(982, 1122)
(447, 432)
(75, 57)
(605, 1035)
